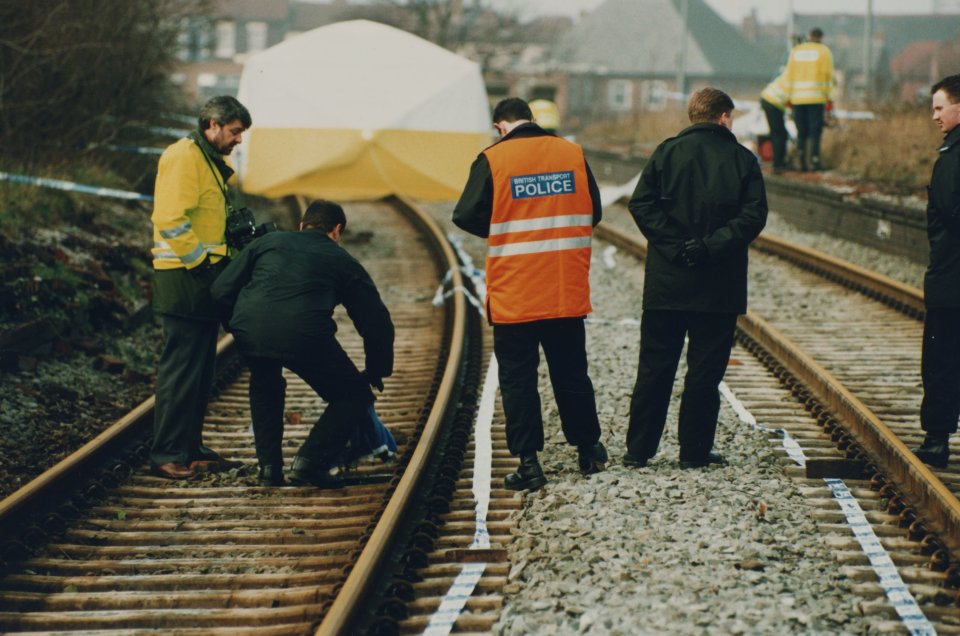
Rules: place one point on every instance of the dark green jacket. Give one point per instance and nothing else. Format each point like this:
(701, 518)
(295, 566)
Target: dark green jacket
(700, 184)
(941, 284)
(281, 290)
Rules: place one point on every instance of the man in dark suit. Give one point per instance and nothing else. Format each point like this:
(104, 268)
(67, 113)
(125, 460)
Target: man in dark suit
(281, 291)
(700, 202)
(940, 362)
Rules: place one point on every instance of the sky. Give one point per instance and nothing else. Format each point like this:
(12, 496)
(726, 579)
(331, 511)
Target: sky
(735, 10)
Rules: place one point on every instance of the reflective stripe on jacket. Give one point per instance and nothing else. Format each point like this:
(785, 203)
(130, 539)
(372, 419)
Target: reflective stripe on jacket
(777, 92)
(538, 261)
(810, 74)
(189, 209)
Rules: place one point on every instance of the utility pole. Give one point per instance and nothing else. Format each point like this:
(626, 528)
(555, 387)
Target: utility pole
(868, 54)
(790, 25)
(682, 61)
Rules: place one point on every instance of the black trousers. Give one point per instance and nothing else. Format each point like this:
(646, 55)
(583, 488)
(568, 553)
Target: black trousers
(940, 371)
(809, 121)
(778, 133)
(184, 380)
(517, 348)
(708, 351)
(331, 373)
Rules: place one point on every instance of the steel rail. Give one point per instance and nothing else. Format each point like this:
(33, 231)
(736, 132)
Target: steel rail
(892, 291)
(344, 609)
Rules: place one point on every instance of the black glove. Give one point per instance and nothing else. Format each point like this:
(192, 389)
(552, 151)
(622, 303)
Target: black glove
(693, 252)
(374, 381)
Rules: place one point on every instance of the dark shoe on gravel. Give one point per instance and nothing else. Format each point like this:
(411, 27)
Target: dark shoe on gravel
(632, 461)
(306, 472)
(173, 470)
(271, 475)
(592, 458)
(702, 462)
(529, 475)
(934, 451)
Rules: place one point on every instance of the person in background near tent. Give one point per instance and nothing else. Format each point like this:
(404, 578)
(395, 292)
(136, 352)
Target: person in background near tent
(700, 202)
(546, 115)
(810, 80)
(533, 197)
(773, 101)
(296, 280)
(940, 356)
(189, 251)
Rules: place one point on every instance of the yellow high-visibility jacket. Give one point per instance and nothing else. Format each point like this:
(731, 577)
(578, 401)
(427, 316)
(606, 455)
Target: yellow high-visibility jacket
(777, 92)
(810, 74)
(189, 209)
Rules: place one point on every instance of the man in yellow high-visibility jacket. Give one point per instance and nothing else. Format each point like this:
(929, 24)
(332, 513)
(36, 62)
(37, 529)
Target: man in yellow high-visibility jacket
(809, 75)
(189, 251)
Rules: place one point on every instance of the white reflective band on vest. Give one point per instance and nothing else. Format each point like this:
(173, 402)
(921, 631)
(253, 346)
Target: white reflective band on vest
(537, 247)
(542, 223)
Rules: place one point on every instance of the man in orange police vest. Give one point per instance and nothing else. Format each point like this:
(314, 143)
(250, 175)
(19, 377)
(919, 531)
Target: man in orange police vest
(534, 199)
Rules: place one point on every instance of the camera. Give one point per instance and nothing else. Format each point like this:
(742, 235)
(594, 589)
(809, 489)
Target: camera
(242, 228)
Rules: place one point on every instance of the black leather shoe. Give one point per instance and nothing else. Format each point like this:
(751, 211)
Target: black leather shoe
(308, 472)
(529, 475)
(701, 462)
(632, 461)
(934, 451)
(271, 475)
(592, 459)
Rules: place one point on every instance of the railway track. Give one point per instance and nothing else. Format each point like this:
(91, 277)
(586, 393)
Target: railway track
(223, 555)
(828, 358)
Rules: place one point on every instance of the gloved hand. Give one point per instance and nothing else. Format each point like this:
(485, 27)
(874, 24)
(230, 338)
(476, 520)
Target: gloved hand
(693, 252)
(828, 107)
(374, 381)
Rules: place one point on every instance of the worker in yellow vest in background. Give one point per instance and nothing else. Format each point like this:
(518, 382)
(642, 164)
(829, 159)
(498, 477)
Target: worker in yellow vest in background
(546, 115)
(809, 75)
(773, 101)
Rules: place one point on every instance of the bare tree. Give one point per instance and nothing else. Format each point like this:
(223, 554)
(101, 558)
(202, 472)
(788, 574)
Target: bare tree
(72, 71)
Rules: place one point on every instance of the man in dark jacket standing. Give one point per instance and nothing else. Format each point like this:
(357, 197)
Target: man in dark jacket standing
(700, 202)
(282, 290)
(940, 360)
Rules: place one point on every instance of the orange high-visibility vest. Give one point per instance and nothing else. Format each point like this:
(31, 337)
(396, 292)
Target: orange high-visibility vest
(538, 257)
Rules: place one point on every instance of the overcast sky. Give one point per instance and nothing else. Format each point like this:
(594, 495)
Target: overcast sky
(735, 10)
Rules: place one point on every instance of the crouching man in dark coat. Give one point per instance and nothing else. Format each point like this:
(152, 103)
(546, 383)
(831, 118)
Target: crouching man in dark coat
(700, 202)
(280, 293)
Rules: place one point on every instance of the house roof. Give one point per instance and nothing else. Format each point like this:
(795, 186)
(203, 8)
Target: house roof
(898, 31)
(642, 37)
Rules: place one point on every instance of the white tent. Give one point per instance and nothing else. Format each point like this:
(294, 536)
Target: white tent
(359, 110)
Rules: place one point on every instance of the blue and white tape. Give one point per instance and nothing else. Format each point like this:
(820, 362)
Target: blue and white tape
(442, 621)
(70, 186)
(892, 584)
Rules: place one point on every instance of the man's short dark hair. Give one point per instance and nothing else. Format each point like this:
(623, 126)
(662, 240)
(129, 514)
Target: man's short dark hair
(223, 109)
(325, 215)
(512, 109)
(949, 85)
(707, 104)
(816, 32)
